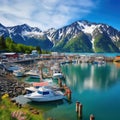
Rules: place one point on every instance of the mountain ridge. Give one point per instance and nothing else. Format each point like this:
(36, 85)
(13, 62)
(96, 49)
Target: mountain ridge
(62, 39)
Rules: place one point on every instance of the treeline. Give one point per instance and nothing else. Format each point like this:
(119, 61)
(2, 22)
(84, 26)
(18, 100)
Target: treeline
(8, 45)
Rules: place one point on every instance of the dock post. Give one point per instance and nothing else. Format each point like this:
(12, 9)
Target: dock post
(60, 82)
(77, 105)
(69, 94)
(92, 117)
(64, 86)
(80, 111)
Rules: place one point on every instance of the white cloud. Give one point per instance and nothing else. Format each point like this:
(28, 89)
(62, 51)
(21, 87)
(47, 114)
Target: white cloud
(43, 13)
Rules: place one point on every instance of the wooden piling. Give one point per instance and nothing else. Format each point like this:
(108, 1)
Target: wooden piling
(64, 86)
(60, 82)
(80, 110)
(69, 93)
(92, 117)
(77, 105)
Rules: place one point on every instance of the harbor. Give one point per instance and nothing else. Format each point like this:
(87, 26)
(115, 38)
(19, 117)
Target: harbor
(93, 84)
(59, 60)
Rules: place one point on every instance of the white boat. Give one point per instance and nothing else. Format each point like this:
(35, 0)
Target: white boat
(44, 95)
(12, 68)
(17, 70)
(57, 74)
(19, 73)
(33, 73)
(36, 85)
(31, 89)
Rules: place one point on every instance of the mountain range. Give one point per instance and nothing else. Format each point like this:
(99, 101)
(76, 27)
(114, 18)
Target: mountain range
(80, 36)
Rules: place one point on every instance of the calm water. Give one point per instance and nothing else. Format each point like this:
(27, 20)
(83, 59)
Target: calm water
(96, 87)
(96, 54)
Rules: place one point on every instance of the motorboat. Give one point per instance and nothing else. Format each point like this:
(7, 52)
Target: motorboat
(99, 61)
(36, 85)
(13, 68)
(45, 94)
(57, 74)
(33, 73)
(19, 73)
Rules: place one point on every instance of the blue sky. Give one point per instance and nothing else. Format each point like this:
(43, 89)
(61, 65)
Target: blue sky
(47, 14)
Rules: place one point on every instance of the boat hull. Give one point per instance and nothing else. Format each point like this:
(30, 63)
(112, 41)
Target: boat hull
(18, 74)
(57, 75)
(45, 99)
(35, 76)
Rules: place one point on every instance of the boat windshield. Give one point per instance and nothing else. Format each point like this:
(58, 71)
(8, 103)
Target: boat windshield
(43, 93)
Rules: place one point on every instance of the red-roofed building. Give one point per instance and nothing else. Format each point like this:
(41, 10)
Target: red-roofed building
(10, 55)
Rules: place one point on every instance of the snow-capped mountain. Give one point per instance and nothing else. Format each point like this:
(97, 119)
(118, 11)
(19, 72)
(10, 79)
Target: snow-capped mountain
(90, 30)
(80, 36)
(3, 30)
(23, 31)
(85, 27)
(26, 35)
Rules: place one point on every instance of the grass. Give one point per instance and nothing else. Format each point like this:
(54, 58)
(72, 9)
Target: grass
(10, 111)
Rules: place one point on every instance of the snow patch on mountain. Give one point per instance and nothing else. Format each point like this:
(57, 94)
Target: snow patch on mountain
(92, 41)
(68, 30)
(115, 38)
(61, 33)
(49, 37)
(11, 30)
(86, 27)
(50, 31)
(33, 34)
(89, 29)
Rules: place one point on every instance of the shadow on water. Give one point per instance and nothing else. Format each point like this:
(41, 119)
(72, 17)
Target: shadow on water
(46, 106)
(69, 101)
(31, 80)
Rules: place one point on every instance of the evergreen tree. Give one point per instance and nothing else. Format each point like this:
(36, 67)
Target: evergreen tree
(38, 49)
(2, 43)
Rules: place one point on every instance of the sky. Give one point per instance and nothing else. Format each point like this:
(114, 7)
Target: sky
(47, 14)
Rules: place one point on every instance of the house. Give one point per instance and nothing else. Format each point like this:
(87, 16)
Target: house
(34, 53)
(10, 55)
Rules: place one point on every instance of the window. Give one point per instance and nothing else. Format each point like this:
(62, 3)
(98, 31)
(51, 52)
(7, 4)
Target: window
(46, 92)
(40, 92)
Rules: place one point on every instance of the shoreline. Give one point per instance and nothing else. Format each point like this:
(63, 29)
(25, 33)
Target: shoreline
(11, 86)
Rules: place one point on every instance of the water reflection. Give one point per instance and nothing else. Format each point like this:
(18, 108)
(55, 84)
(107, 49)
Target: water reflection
(46, 106)
(88, 76)
(117, 64)
(31, 80)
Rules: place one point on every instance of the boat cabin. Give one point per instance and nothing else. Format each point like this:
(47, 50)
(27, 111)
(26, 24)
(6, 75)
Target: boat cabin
(43, 92)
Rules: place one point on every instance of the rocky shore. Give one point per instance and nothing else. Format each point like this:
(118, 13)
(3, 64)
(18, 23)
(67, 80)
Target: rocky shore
(11, 86)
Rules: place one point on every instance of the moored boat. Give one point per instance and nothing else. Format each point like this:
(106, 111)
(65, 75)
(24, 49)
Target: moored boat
(33, 73)
(19, 73)
(36, 85)
(57, 75)
(44, 94)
